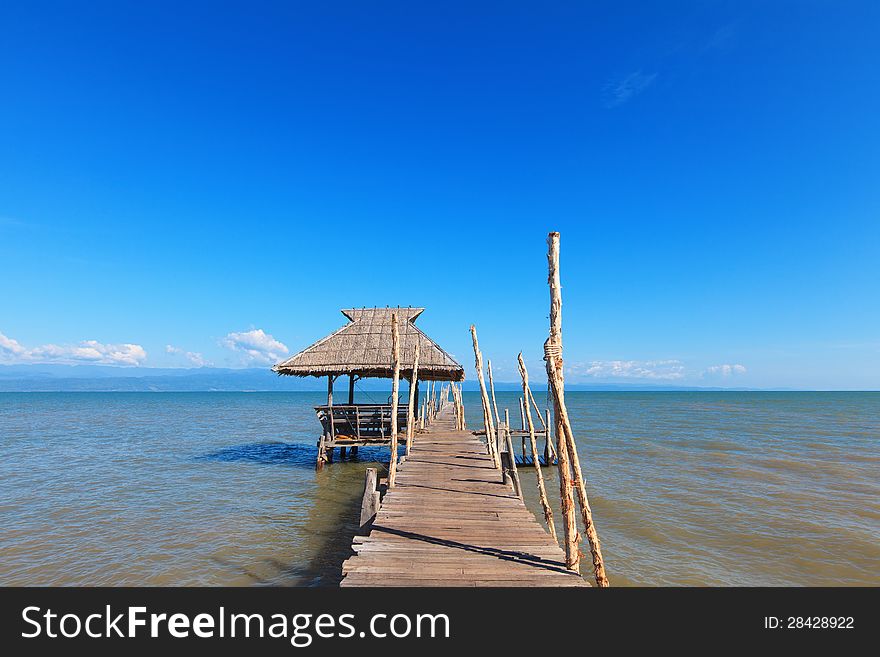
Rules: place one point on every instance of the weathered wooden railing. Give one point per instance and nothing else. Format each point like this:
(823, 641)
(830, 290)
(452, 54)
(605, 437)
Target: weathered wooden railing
(359, 422)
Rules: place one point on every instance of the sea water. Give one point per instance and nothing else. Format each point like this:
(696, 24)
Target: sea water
(690, 488)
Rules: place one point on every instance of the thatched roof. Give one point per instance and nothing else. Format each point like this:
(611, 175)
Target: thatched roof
(363, 348)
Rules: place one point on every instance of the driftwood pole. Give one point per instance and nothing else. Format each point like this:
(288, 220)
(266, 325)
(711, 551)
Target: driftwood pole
(538, 410)
(461, 408)
(522, 426)
(549, 451)
(542, 490)
(564, 435)
(498, 437)
(517, 486)
(492, 390)
(395, 384)
(487, 410)
(410, 415)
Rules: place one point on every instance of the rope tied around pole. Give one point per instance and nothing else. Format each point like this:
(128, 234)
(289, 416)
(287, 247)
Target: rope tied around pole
(552, 350)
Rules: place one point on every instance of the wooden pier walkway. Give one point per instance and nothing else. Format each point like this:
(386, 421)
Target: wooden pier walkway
(450, 521)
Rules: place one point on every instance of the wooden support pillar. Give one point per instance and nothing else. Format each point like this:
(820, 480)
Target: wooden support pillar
(322, 454)
(504, 457)
(533, 442)
(351, 380)
(330, 379)
(410, 413)
(549, 452)
(343, 452)
(395, 385)
(418, 410)
(484, 396)
(514, 473)
(492, 390)
(370, 502)
(565, 436)
(538, 411)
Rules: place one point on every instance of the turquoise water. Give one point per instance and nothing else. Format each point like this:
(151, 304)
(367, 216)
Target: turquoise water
(220, 488)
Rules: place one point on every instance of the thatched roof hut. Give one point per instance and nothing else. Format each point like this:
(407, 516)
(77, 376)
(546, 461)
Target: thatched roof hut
(362, 349)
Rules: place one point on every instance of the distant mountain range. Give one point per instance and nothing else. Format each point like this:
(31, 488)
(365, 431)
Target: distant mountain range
(106, 378)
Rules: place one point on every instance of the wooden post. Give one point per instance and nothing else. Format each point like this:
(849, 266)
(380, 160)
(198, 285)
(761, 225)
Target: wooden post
(504, 458)
(564, 435)
(492, 390)
(322, 454)
(538, 411)
(410, 416)
(351, 388)
(542, 490)
(416, 408)
(395, 384)
(460, 401)
(487, 411)
(499, 436)
(522, 426)
(461, 404)
(549, 452)
(370, 502)
(517, 487)
(330, 379)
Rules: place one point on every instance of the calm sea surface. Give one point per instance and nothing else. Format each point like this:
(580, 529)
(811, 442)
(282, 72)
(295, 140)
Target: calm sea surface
(219, 488)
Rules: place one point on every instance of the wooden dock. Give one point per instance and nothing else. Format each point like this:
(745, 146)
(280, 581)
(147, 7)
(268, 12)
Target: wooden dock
(450, 521)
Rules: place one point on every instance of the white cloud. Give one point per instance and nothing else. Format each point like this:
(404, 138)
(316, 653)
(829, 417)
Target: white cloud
(629, 87)
(193, 357)
(630, 369)
(88, 351)
(10, 349)
(257, 345)
(725, 370)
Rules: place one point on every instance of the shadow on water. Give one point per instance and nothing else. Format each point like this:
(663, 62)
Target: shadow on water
(293, 454)
(334, 514)
(274, 453)
(325, 566)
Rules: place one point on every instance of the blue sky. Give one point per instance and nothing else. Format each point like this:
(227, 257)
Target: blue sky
(211, 184)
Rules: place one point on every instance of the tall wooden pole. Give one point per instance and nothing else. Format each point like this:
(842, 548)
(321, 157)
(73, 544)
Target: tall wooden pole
(517, 486)
(461, 408)
(351, 388)
(487, 410)
(537, 410)
(542, 490)
(492, 390)
(564, 435)
(410, 416)
(395, 385)
(330, 379)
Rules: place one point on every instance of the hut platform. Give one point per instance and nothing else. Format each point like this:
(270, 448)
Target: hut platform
(450, 521)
